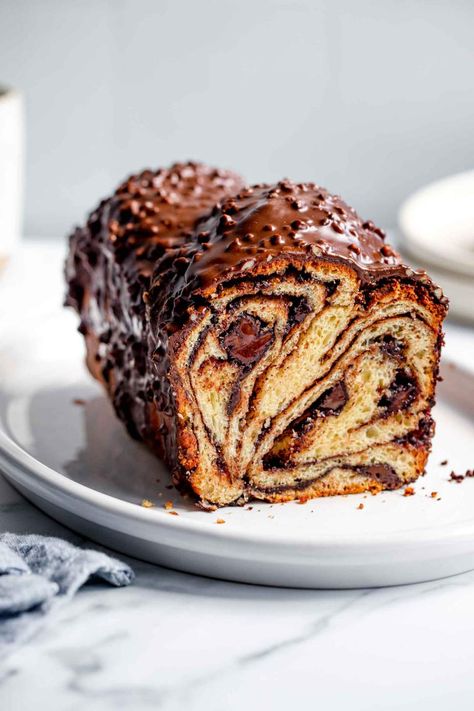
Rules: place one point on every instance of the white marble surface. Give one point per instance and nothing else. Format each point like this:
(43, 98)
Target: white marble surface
(175, 641)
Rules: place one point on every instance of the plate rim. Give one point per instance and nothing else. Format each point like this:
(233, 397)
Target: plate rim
(46, 479)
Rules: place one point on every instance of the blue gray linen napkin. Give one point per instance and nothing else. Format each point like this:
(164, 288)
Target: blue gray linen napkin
(37, 573)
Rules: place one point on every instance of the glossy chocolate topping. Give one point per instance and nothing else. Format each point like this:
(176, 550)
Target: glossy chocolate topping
(150, 215)
(156, 211)
(267, 220)
(264, 222)
(162, 206)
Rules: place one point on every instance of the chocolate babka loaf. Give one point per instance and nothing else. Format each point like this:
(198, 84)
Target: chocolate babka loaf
(265, 341)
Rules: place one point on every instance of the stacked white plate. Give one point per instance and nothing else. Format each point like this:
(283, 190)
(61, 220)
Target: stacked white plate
(437, 223)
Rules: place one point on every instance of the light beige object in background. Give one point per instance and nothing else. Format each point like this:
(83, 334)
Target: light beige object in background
(437, 225)
(11, 170)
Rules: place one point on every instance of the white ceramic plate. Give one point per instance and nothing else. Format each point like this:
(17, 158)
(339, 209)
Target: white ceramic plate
(77, 463)
(437, 223)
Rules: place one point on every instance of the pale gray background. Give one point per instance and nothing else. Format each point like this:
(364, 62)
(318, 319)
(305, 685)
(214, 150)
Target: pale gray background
(371, 98)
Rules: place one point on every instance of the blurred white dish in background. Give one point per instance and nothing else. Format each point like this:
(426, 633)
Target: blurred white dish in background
(11, 169)
(437, 224)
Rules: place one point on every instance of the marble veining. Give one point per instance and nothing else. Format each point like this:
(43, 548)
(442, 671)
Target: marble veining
(176, 641)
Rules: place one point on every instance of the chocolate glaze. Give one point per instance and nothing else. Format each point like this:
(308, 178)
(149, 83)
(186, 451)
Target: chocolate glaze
(265, 221)
(146, 222)
(271, 219)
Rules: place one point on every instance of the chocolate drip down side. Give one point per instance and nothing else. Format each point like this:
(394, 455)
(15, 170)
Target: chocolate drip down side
(147, 222)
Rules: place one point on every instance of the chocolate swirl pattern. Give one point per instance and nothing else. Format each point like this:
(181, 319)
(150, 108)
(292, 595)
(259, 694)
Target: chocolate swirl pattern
(265, 341)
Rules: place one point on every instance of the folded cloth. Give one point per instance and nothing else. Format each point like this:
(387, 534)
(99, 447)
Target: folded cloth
(38, 573)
